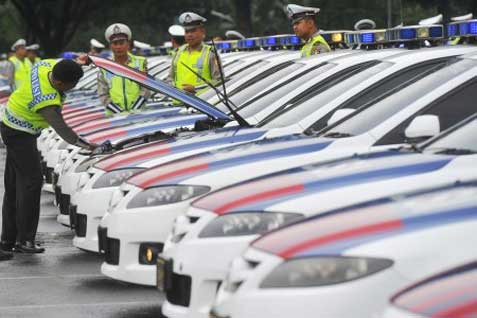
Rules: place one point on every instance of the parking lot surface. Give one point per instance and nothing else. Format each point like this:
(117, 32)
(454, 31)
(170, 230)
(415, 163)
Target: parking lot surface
(65, 281)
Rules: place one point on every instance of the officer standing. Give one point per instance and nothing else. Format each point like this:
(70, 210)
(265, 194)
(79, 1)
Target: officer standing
(95, 47)
(304, 26)
(19, 62)
(177, 34)
(117, 93)
(35, 105)
(195, 54)
(32, 54)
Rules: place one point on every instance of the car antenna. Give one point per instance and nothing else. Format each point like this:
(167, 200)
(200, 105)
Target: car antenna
(240, 119)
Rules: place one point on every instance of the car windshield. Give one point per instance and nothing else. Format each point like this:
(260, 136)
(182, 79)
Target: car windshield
(459, 141)
(259, 83)
(274, 93)
(368, 117)
(332, 87)
(231, 76)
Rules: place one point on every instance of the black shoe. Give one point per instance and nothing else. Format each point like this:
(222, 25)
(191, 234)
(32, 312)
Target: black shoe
(7, 246)
(28, 247)
(4, 256)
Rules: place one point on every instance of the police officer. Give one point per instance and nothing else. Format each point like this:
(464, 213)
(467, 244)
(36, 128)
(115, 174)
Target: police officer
(35, 105)
(118, 94)
(195, 54)
(95, 47)
(177, 34)
(19, 62)
(304, 26)
(32, 54)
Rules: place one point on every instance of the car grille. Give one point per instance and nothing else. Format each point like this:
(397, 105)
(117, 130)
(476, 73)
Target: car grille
(65, 204)
(179, 293)
(54, 178)
(112, 251)
(49, 175)
(43, 167)
(102, 238)
(80, 225)
(107, 246)
(57, 194)
(73, 210)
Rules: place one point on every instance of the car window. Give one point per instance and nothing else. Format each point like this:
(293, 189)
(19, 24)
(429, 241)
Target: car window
(271, 95)
(461, 138)
(231, 76)
(260, 82)
(452, 108)
(384, 88)
(322, 93)
(368, 117)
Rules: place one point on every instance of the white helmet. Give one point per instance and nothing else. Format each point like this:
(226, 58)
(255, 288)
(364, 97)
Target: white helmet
(176, 30)
(19, 42)
(95, 43)
(119, 31)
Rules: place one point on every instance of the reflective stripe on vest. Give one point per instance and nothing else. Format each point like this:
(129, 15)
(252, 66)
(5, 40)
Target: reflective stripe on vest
(198, 61)
(21, 111)
(308, 47)
(124, 92)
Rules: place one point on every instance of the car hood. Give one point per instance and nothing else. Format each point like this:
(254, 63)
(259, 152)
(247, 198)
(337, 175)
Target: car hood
(266, 149)
(159, 86)
(336, 233)
(197, 141)
(260, 193)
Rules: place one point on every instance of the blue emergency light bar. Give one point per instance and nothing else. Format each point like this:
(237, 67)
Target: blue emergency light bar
(416, 32)
(462, 28)
(366, 37)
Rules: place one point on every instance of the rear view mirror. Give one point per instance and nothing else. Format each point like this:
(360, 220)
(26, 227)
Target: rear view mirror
(422, 127)
(339, 114)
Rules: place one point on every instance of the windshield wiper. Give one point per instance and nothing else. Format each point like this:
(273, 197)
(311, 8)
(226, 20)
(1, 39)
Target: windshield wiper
(337, 134)
(455, 151)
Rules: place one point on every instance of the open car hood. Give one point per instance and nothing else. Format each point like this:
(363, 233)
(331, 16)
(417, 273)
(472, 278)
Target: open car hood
(158, 86)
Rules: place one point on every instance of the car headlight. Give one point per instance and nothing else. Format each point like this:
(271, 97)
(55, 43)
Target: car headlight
(86, 164)
(115, 178)
(166, 195)
(236, 224)
(322, 271)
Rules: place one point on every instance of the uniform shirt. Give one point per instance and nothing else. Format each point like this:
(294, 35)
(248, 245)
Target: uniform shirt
(21, 111)
(179, 74)
(315, 45)
(108, 82)
(21, 70)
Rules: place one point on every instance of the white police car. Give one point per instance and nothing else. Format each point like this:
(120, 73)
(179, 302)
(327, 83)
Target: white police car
(220, 225)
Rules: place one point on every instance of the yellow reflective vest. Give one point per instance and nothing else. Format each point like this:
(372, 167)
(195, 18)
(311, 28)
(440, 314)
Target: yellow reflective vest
(21, 70)
(21, 111)
(307, 49)
(196, 60)
(124, 92)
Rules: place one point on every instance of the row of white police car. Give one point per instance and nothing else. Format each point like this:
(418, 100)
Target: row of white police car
(338, 185)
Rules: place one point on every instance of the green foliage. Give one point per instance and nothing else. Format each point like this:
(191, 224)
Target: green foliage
(69, 24)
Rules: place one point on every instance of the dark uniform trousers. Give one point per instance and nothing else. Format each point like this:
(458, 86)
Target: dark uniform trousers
(23, 182)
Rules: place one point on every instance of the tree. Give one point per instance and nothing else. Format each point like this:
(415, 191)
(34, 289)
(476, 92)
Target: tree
(53, 23)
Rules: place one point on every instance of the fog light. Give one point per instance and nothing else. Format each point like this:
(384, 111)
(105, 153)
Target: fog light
(148, 253)
(337, 37)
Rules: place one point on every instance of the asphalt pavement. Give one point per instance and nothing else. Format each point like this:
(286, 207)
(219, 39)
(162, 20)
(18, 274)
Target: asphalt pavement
(65, 281)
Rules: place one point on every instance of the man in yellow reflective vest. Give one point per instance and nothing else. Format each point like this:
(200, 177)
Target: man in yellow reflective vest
(19, 62)
(32, 54)
(195, 54)
(120, 95)
(304, 26)
(35, 105)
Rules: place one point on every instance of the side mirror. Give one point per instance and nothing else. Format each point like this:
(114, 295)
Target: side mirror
(339, 114)
(422, 127)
